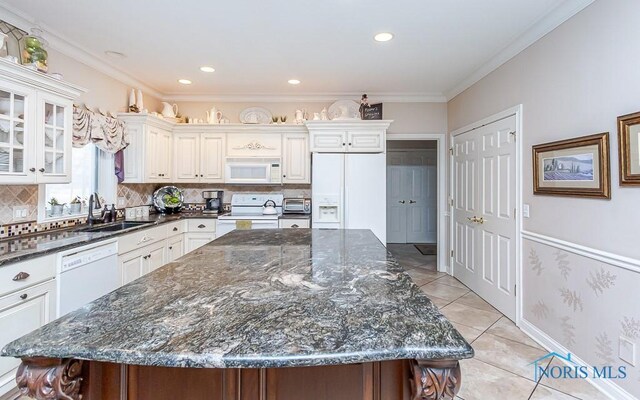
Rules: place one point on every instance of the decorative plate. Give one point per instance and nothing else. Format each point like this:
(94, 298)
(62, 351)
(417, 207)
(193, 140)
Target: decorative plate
(344, 109)
(168, 199)
(255, 115)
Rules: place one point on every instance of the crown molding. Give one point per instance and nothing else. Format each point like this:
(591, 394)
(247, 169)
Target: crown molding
(306, 98)
(72, 50)
(549, 22)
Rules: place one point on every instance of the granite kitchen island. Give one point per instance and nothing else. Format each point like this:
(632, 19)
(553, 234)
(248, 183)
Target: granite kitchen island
(258, 314)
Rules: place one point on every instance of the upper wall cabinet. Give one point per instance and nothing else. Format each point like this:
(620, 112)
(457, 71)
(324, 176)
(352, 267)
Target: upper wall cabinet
(148, 158)
(36, 114)
(296, 158)
(348, 136)
(198, 157)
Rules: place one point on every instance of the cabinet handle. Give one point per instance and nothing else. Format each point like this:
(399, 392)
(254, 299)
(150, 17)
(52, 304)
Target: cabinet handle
(401, 201)
(145, 239)
(175, 229)
(32, 169)
(41, 170)
(202, 226)
(412, 201)
(295, 226)
(20, 276)
(349, 143)
(24, 296)
(201, 176)
(284, 176)
(170, 247)
(196, 175)
(343, 144)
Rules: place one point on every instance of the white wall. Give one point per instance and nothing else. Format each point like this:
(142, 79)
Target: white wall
(573, 82)
(408, 117)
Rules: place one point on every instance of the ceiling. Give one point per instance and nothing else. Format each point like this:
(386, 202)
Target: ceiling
(256, 46)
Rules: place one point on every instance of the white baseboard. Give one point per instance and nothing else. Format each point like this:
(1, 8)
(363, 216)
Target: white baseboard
(606, 386)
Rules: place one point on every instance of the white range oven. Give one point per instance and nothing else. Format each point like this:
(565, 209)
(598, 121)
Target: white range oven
(247, 213)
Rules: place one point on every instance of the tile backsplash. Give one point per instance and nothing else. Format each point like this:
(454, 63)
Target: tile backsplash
(134, 195)
(18, 195)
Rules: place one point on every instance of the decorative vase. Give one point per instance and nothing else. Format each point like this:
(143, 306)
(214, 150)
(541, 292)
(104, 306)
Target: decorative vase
(75, 208)
(57, 210)
(139, 101)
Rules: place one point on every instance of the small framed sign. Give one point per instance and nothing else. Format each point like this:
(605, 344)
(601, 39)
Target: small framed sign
(372, 112)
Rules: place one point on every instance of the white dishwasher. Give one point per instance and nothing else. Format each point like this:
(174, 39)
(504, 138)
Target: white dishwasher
(85, 274)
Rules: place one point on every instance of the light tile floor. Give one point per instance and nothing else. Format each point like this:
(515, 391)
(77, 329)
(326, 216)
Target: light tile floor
(500, 367)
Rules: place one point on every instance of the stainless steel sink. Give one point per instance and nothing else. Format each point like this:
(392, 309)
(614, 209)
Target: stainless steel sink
(118, 226)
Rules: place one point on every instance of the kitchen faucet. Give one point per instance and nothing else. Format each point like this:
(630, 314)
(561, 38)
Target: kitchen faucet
(94, 201)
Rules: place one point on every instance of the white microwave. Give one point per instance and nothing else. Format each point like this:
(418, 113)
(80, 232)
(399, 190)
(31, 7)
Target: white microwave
(253, 171)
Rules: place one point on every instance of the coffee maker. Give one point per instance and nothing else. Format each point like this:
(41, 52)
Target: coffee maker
(213, 201)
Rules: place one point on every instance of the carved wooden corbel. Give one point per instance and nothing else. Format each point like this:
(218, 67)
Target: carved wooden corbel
(50, 378)
(435, 380)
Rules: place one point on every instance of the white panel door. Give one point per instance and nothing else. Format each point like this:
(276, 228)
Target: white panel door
(296, 158)
(396, 205)
(186, 148)
(484, 212)
(420, 193)
(366, 193)
(212, 157)
(21, 313)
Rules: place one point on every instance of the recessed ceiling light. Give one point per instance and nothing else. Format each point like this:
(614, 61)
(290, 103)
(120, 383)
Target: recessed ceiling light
(383, 37)
(207, 69)
(184, 81)
(294, 81)
(115, 54)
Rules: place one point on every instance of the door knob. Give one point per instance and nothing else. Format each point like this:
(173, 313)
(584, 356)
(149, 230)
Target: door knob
(412, 201)
(401, 201)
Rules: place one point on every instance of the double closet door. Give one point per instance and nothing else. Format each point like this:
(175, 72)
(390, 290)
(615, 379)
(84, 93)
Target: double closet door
(412, 204)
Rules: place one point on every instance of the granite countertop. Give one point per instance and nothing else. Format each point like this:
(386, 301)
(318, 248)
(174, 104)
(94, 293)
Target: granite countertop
(259, 298)
(24, 247)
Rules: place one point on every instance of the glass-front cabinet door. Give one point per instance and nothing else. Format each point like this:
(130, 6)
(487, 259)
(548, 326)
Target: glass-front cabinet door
(16, 136)
(53, 149)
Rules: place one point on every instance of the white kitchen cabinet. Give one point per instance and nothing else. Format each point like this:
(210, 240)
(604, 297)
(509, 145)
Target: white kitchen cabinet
(20, 313)
(196, 240)
(294, 223)
(212, 157)
(137, 263)
(348, 136)
(263, 145)
(148, 158)
(175, 247)
(199, 233)
(36, 114)
(198, 157)
(132, 266)
(296, 158)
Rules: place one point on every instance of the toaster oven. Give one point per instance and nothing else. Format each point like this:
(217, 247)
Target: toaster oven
(296, 206)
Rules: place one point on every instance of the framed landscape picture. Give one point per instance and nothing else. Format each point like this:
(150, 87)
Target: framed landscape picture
(575, 167)
(629, 149)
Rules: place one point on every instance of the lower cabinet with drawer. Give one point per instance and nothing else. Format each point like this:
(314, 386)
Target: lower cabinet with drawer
(294, 223)
(199, 233)
(137, 263)
(20, 313)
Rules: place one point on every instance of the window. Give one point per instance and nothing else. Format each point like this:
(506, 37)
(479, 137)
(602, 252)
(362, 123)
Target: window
(91, 172)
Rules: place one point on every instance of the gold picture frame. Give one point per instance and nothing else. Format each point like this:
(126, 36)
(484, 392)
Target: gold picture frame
(629, 149)
(576, 167)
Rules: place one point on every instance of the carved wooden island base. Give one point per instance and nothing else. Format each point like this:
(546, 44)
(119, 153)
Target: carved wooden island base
(69, 379)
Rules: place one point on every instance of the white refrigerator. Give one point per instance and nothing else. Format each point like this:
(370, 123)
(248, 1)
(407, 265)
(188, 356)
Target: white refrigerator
(349, 192)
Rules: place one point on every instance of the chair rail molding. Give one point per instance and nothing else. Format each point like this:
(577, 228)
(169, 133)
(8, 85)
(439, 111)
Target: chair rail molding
(617, 260)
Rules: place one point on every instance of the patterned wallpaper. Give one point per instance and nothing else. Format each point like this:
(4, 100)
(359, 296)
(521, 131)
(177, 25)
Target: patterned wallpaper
(584, 304)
